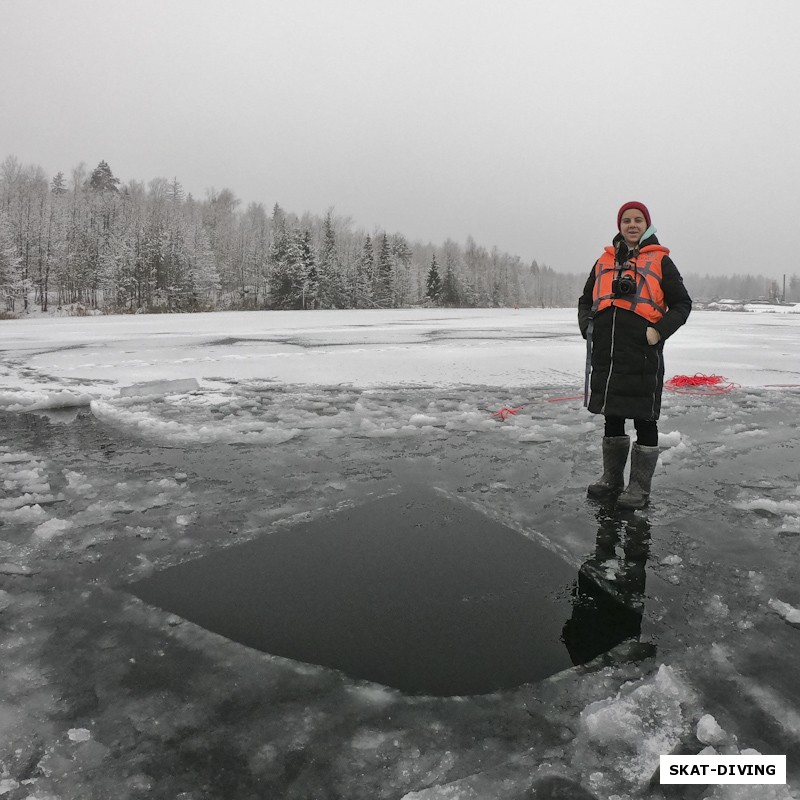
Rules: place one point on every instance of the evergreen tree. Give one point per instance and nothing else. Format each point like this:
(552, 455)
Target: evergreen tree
(307, 271)
(363, 283)
(58, 185)
(434, 282)
(327, 263)
(175, 193)
(102, 179)
(450, 295)
(384, 275)
(297, 282)
(332, 292)
(400, 249)
(280, 291)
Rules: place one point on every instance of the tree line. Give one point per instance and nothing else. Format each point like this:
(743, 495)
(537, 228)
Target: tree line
(92, 241)
(745, 287)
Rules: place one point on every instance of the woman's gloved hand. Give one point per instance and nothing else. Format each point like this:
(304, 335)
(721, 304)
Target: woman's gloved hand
(653, 336)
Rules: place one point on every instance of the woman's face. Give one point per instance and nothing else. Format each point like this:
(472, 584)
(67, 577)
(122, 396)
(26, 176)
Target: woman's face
(632, 226)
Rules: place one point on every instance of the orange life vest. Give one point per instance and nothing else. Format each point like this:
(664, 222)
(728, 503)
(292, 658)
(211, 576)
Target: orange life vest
(648, 299)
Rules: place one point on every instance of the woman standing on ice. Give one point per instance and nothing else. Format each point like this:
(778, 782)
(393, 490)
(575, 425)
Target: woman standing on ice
(633, 301)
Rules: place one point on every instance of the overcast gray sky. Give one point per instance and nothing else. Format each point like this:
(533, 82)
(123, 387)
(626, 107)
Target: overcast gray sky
(524, 124)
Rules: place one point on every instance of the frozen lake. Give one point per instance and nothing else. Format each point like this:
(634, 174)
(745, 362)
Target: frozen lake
(301, 416)
(498, 347)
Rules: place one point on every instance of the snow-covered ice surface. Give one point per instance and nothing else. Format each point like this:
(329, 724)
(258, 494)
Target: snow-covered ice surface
(300, 414)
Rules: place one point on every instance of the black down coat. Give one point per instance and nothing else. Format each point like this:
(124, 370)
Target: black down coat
(627, 372)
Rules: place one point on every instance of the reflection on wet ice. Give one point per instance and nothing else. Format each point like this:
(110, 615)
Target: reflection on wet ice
(608, 595)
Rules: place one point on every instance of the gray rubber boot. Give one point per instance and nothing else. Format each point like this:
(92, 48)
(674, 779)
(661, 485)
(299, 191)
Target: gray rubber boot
(643, 465)
(615, 457)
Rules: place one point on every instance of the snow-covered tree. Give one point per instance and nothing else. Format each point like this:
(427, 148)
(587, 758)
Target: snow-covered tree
(384, 275)
(283, 259)
(222, 225)
(102, 179)
(203, 275)
(402, 257)
(332, 291)
(434, 282)
(308, 270)
(11, 285)
(58, 185)
(175, 193)
(363, 283)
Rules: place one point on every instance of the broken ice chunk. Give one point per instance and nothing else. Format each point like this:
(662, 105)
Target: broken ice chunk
(789, 613)
(52, 528)
(180, 386)
(709, 731)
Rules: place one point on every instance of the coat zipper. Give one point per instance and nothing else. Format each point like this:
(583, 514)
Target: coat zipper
(611, 356)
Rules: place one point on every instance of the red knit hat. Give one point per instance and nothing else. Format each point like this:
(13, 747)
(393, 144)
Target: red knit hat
(639, 206)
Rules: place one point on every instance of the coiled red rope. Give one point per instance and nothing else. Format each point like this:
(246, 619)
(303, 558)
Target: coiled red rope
(700, 384)
(507, 411)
